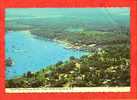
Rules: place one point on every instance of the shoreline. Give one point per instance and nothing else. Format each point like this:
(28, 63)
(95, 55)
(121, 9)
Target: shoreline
(76, 46)
(65, 44)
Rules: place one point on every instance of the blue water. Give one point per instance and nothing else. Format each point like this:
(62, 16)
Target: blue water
(32, 54)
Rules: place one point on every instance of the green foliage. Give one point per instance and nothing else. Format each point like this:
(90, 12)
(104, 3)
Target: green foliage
(106, 67)
(72, 58)
(59, 63)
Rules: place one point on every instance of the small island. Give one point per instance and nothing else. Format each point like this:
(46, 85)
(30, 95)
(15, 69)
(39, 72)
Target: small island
(9, 62)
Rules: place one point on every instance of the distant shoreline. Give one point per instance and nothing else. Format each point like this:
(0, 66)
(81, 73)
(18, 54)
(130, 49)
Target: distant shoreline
(66, 44)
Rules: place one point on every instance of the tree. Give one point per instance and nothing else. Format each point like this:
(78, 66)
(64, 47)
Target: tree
(29, 74)
(59, 63)
(72, 58)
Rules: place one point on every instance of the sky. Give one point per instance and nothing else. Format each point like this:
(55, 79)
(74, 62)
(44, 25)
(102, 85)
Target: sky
(64, 11)
(117, 15)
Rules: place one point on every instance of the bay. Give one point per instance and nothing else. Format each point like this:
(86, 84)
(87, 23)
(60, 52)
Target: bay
(33, 54)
